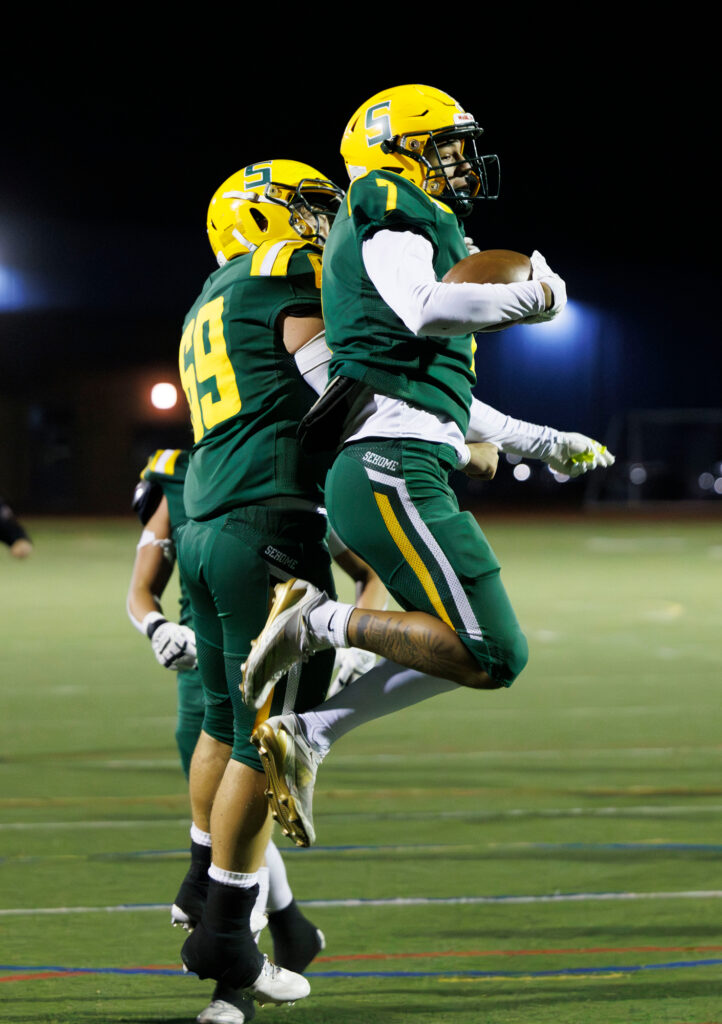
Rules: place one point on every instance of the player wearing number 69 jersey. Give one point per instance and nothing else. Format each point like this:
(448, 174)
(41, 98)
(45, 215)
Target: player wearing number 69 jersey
(252, 498)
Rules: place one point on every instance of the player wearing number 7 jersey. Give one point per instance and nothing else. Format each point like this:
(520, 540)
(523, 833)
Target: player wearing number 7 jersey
(252, 499)
(402, 369)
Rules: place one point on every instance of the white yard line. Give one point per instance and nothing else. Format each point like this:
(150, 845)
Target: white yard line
(642, 811)
(410, 901)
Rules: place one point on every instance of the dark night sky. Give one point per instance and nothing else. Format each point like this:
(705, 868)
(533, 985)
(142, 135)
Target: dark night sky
(107, 172)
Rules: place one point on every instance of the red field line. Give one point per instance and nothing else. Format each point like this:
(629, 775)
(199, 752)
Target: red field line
(41, 975)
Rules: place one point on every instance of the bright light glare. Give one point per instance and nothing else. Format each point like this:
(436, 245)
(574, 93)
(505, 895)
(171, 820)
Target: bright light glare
(522, 472)
(12, 289)
(569, 325)
(638, 474)
(706, 481)
(718, 485)
(163, 395)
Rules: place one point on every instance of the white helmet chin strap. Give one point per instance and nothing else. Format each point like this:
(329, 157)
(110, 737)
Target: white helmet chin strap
(244, 241)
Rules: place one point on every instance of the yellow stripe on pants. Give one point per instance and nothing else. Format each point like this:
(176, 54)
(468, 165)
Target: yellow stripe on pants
(411, 555)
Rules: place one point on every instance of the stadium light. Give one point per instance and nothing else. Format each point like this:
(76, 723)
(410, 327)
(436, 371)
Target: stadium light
(163, 395)
(521, 472)
(12, 289)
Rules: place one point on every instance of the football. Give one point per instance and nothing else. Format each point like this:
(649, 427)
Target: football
(492, 266)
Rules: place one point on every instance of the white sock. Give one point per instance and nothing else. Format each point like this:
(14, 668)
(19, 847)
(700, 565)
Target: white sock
(386, 688)
(328, 621)
(236, 878)
(199, 836)
(279, 891)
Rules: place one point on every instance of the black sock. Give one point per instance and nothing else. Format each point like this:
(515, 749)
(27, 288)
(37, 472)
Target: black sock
(296, 940)
(221, 946)
(194, 887)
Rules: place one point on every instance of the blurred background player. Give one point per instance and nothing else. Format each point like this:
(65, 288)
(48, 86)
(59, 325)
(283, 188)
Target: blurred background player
(158, 502)
(253, 504)
(13, 533)
(403, 351)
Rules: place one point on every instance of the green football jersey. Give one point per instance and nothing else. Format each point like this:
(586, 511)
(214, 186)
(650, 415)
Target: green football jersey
(368, 340)
(167, 468)
(245, 393)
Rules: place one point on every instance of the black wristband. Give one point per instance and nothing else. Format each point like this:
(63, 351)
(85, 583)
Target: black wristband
(153, 626)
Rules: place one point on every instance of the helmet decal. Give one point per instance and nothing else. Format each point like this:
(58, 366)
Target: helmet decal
(378, 123)
(257, 175)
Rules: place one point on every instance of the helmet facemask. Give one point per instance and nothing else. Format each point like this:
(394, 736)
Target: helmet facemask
(312, 206)
(480, 173)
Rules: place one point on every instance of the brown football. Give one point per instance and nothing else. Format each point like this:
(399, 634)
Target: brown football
(492, 266)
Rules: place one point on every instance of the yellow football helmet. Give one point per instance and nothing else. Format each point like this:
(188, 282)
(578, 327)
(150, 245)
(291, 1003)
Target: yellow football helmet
(270, 201)
(402, 129)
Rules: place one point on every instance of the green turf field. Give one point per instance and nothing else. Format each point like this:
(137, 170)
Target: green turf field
(549, 853)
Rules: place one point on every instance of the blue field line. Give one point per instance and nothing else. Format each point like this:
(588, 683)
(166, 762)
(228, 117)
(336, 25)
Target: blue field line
(384, 847)
(559, 972)
(651, 845)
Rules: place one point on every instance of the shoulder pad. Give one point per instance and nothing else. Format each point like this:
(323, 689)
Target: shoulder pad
(382, 199)
(164, 461)
(147, 497)
(271, 259)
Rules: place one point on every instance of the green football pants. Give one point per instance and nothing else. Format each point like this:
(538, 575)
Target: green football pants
(390, 501)
(189, 721)
(228, 568)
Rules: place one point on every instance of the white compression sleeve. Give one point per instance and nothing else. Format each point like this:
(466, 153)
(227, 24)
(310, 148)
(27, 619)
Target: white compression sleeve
(279, 891)
(386, 688)
(400, 266)
(312, 360)
(516, 437)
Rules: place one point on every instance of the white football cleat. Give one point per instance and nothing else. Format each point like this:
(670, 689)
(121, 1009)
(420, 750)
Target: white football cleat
(277, 985)
(222, 1012)
(290, 764)
(284, 640)
(179, 917)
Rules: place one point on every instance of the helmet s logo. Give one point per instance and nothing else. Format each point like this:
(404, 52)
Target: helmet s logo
(378, 123)
(257, 175)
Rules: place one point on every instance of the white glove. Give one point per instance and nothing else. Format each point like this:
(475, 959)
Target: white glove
(471, 248)
(575, 454)
(174, 645)
(541, 271)
(351, 662)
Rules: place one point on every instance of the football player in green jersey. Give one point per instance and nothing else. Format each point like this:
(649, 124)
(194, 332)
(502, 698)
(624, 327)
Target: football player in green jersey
(158, 502)
(403, 349)
(253, 500)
